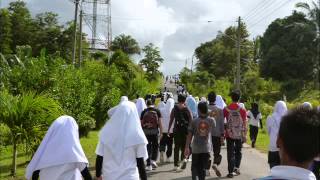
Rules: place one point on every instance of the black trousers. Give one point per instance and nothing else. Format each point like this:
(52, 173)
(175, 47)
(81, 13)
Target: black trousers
(166, 143)
(152, 148)
(253, 133)
(273, 158)
(199, 165)
(179, 145)
(234, 155)
(216, 145)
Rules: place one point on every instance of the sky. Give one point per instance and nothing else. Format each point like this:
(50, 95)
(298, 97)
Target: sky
(177, 27)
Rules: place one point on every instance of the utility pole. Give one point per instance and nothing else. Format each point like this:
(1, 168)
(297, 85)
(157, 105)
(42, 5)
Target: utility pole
(186, 63)
(238, 54)
(80, 38)
(192, 64)
(75, 32)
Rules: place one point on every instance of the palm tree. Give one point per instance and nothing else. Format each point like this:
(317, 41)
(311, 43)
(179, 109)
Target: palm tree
(125, 43)
(313, 12)
(26, 116)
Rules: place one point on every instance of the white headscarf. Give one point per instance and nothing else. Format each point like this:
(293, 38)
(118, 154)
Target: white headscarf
(141, 105)
(60, 146)
(307, 105)
(161, 105)
(203, 99)
(220, 102)
(280, 109)
(113, 109)
(123, 130)
(168, 108)
(242, 106)
(192, 105)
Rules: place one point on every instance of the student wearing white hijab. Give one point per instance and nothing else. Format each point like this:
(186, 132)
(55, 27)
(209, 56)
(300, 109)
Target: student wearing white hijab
(60, 155)
(141, 105)
(192, 105)
(220, 102)
(113, 109)
(167, 138)
(122, 146)
(162, 104)
(273, 125)
(307, 105)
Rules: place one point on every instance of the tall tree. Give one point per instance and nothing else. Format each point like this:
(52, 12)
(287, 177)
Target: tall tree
(286, 47)
(5, 32)
(219, 55)
(151, 61)
(21, 24)
(126, 44)
(313, 12)
(47, 34)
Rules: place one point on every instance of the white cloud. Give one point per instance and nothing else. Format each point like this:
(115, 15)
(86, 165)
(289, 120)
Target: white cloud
(176, 26)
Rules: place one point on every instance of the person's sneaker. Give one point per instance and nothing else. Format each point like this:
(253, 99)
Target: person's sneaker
(154, 164)
(207, 172)
(237, 171)
(161, 157)
(216, 170)
(169, 160)
(230, 175)
(184, 164)
(177, 169)
(149, 168)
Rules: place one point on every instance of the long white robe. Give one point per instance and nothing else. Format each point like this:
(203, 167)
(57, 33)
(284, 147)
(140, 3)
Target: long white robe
(122, 140)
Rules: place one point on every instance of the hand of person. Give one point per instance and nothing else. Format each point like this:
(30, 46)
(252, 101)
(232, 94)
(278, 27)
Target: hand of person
(161, 136)
(186, 152)
(222, 139)
(99, 178)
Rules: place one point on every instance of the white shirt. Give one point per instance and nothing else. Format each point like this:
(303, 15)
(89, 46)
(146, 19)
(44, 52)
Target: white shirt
(292, 173)
(254, 121)
(71, 171)
(127, 169)
(273, 129)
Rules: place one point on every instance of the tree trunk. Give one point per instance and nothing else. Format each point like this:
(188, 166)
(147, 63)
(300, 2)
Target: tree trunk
(14, 158)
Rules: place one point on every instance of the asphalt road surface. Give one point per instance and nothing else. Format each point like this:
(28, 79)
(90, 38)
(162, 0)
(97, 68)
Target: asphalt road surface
(253, 165)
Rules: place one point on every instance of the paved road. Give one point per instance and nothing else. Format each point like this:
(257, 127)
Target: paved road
(254, 165)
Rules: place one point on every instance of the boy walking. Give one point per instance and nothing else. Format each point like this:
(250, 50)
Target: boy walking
(236, 131)
(151, 124)
(217, 132)
(200, 130)
(182, 117)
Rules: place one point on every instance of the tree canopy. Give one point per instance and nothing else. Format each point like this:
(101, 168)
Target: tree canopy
(126, 44)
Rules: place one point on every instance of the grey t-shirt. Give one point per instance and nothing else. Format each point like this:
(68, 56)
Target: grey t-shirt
(217, 114)
(201, 130)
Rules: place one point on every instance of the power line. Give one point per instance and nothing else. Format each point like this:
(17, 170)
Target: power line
(267, 6)
(279, 7)
(254, 9)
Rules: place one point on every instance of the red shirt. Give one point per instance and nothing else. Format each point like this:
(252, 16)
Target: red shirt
(235, 106)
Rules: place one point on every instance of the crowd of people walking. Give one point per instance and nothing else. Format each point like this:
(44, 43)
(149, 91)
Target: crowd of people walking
(179, 132)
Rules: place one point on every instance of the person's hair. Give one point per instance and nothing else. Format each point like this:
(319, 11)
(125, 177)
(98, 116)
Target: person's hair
(181, 98)
(137, 96)
(255, 106)
(203, 108)
(212, 97)
(149, 102)
(235, 96)
(162, 98)
(299, 133)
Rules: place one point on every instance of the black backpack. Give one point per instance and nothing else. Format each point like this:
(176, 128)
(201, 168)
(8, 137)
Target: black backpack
(181, 120)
